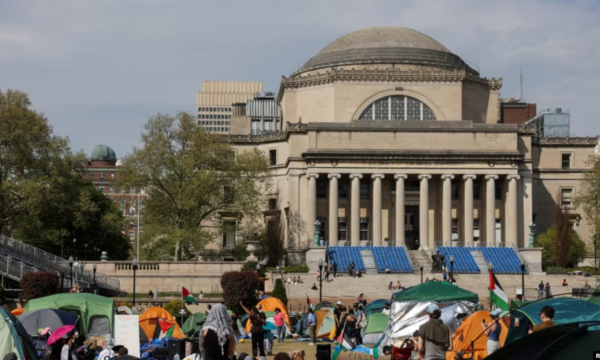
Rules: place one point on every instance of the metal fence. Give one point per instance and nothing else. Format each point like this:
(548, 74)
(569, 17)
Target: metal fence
(18, 258)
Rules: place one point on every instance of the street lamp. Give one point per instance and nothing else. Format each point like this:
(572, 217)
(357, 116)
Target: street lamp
(85, 251)
(321, 280)
(94, 279)
(451, 267)
(522, 279)
(74, 244)
(421, 274)
(595, 252)
(71, 271)
(134, 266)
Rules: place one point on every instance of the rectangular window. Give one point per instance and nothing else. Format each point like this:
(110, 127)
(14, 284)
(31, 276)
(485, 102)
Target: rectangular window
(364, 229)
(229, 234)
(323, 222)
(132, 235)
(255, 127)
(112, 175)
(112, 189)
(566, 161)
(455, 229)
(142, 190)
(91, 176)
(273, 157)
(342, 229)
(132, 190)
(476, 231)
(101, 176)
(476, 189)
(268, 124)
(272, 204)
(566, 197)
(342, 189)
(101, 189)
(321, 188)
(498, 190)
(498, 230)
(364, 190)
(455, 192)
(227, 194)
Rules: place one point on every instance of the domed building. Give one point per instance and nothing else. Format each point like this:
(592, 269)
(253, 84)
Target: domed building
(390, 139)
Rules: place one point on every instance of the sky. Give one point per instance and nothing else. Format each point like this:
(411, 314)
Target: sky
(99, 68)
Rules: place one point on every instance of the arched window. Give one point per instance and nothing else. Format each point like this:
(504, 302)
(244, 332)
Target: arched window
(398, 107)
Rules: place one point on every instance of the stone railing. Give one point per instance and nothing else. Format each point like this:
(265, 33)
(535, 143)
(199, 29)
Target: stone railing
(127, 265)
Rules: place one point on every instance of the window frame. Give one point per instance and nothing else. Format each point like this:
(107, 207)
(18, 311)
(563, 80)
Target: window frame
(363, 230)
(562, 196)
(272, 159)
(570, 160)
(342, 230)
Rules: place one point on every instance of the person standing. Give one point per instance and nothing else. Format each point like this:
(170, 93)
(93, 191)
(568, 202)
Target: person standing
(350, 324)
(492, 331)
(546, 315)
(280, 323)
(258, 320)
(337, 314)
(386, 309)
(218, 336)
(547, 290)
(435, 338)
(326, 268)
(334, 266)
(541, 290)
(359, 314)
(311, 322)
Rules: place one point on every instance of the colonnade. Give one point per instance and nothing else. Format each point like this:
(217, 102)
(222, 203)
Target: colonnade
(425, 238)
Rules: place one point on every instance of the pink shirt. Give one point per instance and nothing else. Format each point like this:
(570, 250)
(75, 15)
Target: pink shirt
(279, 319)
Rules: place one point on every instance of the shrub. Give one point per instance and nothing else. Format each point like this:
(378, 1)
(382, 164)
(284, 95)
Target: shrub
(251, 266)
(239, 286)
(126, 303)
(279, 292)
(291, 269)
(38, 284)
(174, 307)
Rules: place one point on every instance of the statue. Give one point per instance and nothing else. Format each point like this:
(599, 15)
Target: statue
(317, 241)
(531, 235)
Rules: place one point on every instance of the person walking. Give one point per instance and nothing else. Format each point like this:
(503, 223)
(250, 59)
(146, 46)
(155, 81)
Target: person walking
(326, 268)
(218, 336)
(258, 320)
(541, 290)
(435, 338)
(280, 323)
(492, 331)
(334, 266)
(311, 322)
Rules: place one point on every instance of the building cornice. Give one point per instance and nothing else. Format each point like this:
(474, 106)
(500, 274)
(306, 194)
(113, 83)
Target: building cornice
(567, 141)
(513, 156)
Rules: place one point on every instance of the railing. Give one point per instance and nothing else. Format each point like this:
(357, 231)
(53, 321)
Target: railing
(413, 261)
(33, 259)
(126, 265)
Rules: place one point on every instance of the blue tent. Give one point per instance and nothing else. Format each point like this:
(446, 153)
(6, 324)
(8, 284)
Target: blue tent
(567, 310)
(376, 307)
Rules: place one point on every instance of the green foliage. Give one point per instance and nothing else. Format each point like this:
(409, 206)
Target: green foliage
(38, 284)
(239, 286)
(251, 266)
(194, 178)
(588, 194)
(291, 269)
(548, 242)
(174, 307)
(279, 292)
(43, 199)
(126, 303)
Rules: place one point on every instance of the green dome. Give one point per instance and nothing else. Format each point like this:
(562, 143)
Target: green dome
(104, 152)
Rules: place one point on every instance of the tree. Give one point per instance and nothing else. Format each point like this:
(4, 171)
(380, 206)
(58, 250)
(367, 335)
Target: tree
(174, 307)
(273, 244)
(38, 284)
(547, 241)
(239, 286)
(588, 195)
(279, 292)
(562, 238)
(193, 177)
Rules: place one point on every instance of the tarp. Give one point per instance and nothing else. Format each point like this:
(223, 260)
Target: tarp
(325, 322)
(376, 306)
(515, 304)
(377, 324)
(14, 338)
(192, 321)
(41, 319)
(17, 311)
(471, 330)
(323, 305)
(435, 291)
(90, 308)
(567, 310)
(149, 322)
(269, 304)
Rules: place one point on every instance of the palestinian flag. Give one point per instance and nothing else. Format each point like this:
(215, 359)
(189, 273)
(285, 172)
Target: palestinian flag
(309, 303)
(166, 328)
(345, 342)
(497, 295)
(187, 297)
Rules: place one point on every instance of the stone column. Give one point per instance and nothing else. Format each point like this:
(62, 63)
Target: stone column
(377, 208)
(511, 211)
(490, 210)
(447, 209)
(355, 210)
(333, 209)
(468, 221)
(312, 207)
(400, 230)
(424, 213)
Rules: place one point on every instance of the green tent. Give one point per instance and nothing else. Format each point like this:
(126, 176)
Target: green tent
(96, 312)
(14, 337)
(435, 291)
(192, 323)
(567, 310)
(377, 324)
(515, 304)
(376, 307)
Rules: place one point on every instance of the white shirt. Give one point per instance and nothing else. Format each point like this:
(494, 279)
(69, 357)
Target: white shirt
(386, 312)
(64, 352)
(106, 354)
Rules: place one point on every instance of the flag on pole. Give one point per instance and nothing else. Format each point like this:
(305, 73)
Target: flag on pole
(166, 328)
(345, 341)
(187, 297)
(497, 295)
(309, 303)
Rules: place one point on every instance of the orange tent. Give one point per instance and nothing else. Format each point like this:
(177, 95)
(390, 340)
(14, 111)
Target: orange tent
(471, 330)
(269, 304)
(18, 311)
(149, 322)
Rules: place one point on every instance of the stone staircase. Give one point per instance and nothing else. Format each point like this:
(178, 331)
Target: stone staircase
(480, 261)
(369, 261)
(423, 259)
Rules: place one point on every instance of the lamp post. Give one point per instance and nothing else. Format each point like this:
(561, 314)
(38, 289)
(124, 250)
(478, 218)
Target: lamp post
(522, 279)
(71, 272)
(321, 280)
(421, 273)
(94, 278)
(595, 252)
(134, 266)
(451, 267)
(84, 251)
(74, 244)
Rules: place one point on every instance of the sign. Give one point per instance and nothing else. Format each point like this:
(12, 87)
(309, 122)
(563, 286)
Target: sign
(127, 333)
